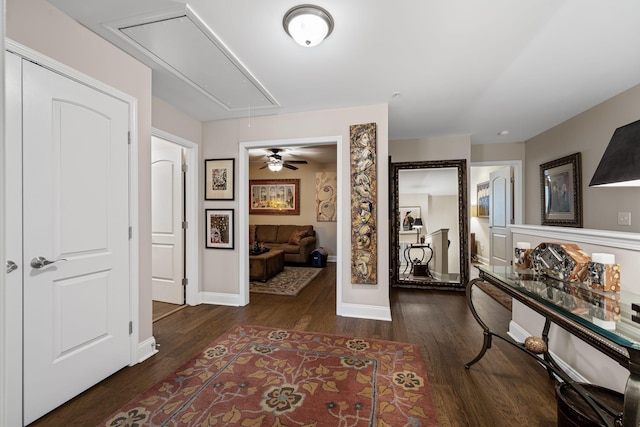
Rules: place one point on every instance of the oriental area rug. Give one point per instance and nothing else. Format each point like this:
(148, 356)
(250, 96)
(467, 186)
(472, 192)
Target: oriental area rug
(256, 376)
(290, 281)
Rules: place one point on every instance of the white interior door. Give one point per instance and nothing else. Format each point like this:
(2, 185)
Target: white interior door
(500, 215)
(75, 207)
(167, 189)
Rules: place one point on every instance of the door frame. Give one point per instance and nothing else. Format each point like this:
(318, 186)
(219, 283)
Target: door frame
(13, 334)
(243, 204)
(191, 268)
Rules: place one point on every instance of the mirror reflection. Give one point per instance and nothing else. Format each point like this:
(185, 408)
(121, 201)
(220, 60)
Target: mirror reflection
(429, 243)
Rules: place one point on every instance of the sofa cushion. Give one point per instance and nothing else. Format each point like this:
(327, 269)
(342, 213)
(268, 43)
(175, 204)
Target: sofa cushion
(285, 231)
(266, 233)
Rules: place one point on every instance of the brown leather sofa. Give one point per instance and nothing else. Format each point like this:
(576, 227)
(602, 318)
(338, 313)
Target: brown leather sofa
(297, 241)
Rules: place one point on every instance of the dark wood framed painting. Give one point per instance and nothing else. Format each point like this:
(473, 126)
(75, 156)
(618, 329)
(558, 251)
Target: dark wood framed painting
(483, 199)
(274, 197)
(219, 179)
(561, 191)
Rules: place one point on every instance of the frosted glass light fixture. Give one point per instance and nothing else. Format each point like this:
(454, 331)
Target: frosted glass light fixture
(275, 165)
(307, 24)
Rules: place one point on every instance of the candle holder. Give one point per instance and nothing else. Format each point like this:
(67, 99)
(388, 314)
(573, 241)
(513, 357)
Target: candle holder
(604, 273)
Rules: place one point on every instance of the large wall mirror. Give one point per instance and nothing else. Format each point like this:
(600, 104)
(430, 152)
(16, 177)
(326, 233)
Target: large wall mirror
(429, 224)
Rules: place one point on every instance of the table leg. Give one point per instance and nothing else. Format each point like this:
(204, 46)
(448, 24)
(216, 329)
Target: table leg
(631, 411)
(486, 345)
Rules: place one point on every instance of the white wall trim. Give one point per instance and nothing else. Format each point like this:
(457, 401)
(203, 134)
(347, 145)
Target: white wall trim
(4, 417)
(519, 334)
(363, 311)
(146, 349)
(243, 207)
(218, 298)
(612, 239)
(192, 265)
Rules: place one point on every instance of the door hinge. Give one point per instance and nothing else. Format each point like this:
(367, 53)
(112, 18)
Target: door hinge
(130, 232)
(185, 168)
(185, 281)
(130, 327)
(129, 137)
(185, 225)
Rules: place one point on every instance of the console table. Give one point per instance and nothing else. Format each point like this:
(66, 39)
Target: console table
(411, 262)
(576, 308)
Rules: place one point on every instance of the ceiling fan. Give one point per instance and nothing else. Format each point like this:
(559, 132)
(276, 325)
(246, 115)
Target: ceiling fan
(275, 162)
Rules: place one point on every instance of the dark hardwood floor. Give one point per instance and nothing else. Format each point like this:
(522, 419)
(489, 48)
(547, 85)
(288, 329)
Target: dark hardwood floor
(506, 388)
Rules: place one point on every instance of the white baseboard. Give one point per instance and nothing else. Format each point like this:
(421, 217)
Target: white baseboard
(519, 334)
(332, 258)
(218, 298)
(146, 349)
(362, 311)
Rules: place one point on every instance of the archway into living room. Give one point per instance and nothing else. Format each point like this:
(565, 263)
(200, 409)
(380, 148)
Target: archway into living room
(285, 202)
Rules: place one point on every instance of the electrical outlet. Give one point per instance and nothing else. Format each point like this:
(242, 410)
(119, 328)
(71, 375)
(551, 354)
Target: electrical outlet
(624, 218)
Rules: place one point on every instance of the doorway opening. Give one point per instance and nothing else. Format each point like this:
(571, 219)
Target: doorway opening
(174, 223)
(243, 217)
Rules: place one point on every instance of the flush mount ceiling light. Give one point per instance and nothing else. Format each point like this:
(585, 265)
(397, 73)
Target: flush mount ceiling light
(307, 24)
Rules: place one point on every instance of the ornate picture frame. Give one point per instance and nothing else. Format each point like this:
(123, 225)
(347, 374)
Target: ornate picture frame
(219, 179)
(219, 228)
(561, 191)
(483, 199)
(274, 197)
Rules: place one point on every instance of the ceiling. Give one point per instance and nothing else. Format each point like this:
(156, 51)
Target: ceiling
(445, 67)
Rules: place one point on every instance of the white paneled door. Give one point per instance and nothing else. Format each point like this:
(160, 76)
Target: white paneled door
(500, 215)
(75, 265)
(167, 195)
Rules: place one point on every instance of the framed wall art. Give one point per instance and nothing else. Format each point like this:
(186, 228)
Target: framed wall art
(560, 191)
(219, 228)
(274, 197)
(408, 215)
(219, 179)
(483, 199)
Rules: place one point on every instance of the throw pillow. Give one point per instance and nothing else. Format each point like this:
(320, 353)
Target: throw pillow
(297, 236)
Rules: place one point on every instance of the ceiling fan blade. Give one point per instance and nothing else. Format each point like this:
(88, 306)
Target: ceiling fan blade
(298, 162)
(288, 166)
(264, 166)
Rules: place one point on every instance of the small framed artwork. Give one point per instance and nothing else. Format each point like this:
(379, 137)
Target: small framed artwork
(408, 215)
(560, 191)
(483, 199)
(274, 197)
(219, 228)
(219, 179)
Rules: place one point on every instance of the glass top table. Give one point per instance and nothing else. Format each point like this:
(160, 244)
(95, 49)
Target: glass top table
(608, 314)
(608, 321)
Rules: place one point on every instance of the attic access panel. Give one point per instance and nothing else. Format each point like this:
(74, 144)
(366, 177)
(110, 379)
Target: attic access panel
(188, 49)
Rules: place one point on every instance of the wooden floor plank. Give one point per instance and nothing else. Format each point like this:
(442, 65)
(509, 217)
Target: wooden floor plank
(505, 388)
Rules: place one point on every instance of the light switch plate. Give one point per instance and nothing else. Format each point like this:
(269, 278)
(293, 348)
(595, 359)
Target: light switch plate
(624, 218)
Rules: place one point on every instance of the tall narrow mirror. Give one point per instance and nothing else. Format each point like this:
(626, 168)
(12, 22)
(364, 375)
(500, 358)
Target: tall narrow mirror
(429, 224)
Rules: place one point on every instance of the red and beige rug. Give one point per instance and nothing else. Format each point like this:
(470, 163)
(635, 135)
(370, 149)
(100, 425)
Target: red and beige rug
(290, 281)
(255, 376)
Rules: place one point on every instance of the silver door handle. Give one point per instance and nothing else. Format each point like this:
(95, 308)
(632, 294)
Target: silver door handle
(11, 266)
(39, 262)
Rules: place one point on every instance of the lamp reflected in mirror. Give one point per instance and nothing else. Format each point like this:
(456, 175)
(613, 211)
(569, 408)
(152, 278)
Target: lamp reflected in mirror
(418, 226)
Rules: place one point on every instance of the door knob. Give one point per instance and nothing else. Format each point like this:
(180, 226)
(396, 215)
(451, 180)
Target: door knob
(39, 262)
(11, 266)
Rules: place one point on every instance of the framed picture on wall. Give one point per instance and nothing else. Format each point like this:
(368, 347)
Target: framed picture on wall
(219, 228)
(219, 179)
(483, 199)
(408, 215)
(274, 197)
(560, 191)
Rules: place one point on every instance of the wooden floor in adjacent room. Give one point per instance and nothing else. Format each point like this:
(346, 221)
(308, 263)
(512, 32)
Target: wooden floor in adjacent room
(506, 388)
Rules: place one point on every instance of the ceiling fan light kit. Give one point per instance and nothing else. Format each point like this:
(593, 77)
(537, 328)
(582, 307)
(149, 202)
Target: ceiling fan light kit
(275, 163)
(308, 24)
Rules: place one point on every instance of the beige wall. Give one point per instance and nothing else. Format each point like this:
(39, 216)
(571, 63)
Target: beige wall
(325, 231)
(221, 138)
(497, 152)
(43, 28)
(438, 148)
(588, 133)
(169, 119)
